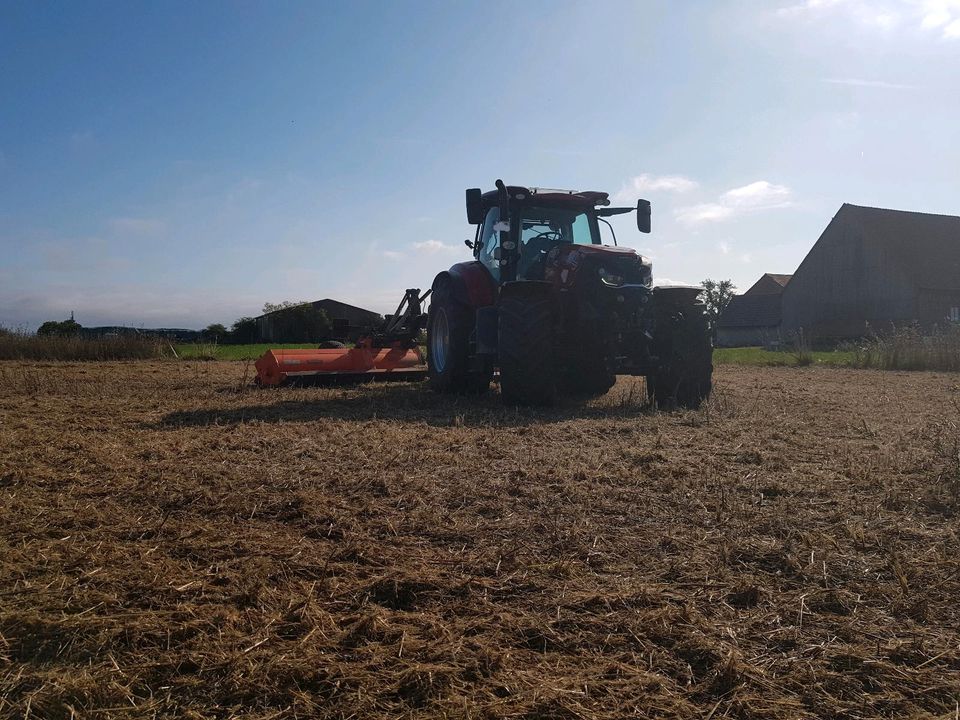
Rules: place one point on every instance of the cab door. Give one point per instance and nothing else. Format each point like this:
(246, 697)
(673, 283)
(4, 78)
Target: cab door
(490, 244)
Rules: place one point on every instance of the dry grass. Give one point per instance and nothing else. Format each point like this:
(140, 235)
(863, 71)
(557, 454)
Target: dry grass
(175, 545)
(21, 346)
(910, 349)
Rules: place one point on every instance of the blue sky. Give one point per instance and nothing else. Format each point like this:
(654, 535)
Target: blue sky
(179, 164)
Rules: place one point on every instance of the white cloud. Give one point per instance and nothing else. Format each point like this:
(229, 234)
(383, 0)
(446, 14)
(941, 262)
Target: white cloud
(746, 258)
(393, 255)
(645, 183)
(941, 15)
(755, 197)
(858, 82)
(704, 212)
(759, 195)
(136, 226)
(882, 15)
(434, 247)
(724, 247)
(807, 6)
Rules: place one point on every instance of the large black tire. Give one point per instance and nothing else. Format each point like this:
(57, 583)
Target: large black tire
(588, 373)
(528, 373)
(684, 375)
(449, 326)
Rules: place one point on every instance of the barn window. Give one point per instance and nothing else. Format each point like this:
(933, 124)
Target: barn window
(955, 314)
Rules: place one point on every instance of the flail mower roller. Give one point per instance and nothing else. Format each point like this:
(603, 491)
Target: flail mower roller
(389, 353)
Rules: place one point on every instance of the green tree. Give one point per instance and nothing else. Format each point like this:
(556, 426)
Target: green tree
(244, 331)
(716, 295)
(215, 332)
(298, 322)
(63, 328)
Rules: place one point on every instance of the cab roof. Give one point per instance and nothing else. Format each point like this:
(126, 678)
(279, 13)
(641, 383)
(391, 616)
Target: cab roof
(550, 196)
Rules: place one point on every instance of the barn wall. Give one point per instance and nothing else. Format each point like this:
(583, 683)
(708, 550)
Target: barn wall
(933, 306)
(844, 285)
(266, 330)
(747, 336)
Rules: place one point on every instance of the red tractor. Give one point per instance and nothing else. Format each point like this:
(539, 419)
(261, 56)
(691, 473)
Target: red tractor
(556, 310)
(545, 302)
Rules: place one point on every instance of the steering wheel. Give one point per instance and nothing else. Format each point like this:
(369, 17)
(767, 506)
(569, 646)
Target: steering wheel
(535, 252)
(543, 242)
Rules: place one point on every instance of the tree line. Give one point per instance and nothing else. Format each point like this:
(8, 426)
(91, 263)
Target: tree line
(292, 322)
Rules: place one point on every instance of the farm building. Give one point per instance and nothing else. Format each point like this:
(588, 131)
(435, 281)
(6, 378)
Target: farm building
(348, 321)
(754, 317)
(872, 269)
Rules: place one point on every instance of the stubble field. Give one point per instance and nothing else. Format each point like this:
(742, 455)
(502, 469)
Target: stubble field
(176, 544)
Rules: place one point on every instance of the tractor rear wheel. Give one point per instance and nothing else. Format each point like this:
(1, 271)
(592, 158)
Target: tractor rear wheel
(683, 377)
(449, 326)
(527, 361)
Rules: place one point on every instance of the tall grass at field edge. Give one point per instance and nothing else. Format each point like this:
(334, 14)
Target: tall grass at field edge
(20, 346)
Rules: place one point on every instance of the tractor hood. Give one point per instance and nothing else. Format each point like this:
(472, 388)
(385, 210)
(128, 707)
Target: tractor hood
(566, 262)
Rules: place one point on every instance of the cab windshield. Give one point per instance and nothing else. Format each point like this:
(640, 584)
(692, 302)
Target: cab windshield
(543, 228)
(556, 225)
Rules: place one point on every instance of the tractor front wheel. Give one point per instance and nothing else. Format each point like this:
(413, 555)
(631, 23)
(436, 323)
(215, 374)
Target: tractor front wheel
(449, 326)
(528, 374)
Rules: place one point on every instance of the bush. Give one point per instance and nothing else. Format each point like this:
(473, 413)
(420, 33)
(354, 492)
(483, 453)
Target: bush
(215, 333)
(66, 328)
(244, 331)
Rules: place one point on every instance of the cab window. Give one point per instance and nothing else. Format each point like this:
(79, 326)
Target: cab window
(489, 242)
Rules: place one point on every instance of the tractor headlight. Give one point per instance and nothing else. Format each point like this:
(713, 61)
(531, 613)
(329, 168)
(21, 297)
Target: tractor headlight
(609, 279)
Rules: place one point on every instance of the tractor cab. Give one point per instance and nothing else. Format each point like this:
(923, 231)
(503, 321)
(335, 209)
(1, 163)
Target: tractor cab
(518, 227)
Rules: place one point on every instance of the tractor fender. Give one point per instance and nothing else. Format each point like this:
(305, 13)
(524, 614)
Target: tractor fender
(471, 284)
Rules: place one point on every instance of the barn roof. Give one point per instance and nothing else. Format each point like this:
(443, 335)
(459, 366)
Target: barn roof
(340, 311)
(779, 278)
(336, 310)
(769, 284)
(758, 310)
(925, 246)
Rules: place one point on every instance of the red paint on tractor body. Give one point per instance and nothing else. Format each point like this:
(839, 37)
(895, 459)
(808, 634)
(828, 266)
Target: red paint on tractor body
(479, 286)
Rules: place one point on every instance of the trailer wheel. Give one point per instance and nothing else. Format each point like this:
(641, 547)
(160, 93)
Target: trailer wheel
(682, 342)
(448, 346)
(526, 346)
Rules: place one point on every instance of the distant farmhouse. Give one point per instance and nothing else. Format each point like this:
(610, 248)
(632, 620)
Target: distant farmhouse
(754, 317)
(349, 322)
(870, 270)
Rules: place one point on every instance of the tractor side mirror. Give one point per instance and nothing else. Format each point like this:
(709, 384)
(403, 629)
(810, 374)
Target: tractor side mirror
(474, 206)
(643, 216)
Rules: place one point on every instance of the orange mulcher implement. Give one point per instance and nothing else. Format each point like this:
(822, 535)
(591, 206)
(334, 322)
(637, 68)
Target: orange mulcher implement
(277, 367)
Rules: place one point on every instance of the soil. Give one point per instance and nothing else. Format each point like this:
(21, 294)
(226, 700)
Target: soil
(175, 543)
